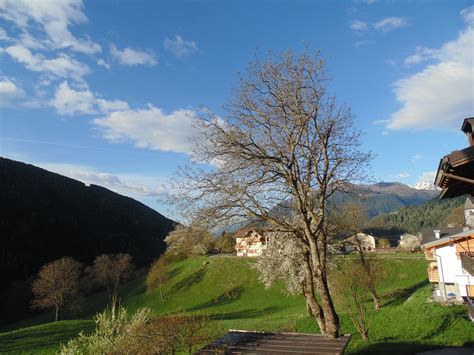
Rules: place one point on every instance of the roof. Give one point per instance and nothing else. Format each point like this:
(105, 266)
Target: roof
(428, 234)
(238, 341)
(449, 238)
(242, 233)
(459, 163)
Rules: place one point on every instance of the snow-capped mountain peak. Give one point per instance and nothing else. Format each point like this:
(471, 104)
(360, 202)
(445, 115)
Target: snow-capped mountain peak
(424, 185)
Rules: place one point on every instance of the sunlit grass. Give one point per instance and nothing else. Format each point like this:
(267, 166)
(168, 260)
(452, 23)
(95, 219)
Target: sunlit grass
(406, 323)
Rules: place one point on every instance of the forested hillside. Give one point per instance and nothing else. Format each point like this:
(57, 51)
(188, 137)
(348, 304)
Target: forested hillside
(45, 216)
(412, 219)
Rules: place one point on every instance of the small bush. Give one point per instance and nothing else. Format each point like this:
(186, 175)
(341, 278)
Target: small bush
(157, 276)
(119, 333)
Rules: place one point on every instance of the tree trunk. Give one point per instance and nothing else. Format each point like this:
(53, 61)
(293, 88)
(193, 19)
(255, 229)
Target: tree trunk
(161, 294)
(367, 269)
(331, 320)
(309, 311)
(311, 301)
(365, 334)
(376, 298)
(330, 316)
(56, 314)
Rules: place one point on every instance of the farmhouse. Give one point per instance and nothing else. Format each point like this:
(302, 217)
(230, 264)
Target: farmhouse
(365, 242)
(452, 265)
(453, 252)
(251, 242)
(409, 241)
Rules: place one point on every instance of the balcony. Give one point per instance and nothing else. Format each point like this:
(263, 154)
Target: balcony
(467, 262)
(433, 274)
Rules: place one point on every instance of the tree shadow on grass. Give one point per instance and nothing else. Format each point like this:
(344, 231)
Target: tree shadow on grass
(401, 295)
(223, 299)
(175, 271)
(244, 314)
(33, 340)
(388, 347)
(188, 281)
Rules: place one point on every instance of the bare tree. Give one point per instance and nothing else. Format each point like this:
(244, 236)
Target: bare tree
(157, 276)
(110, 270)
(283, 141)
(189, 240)
(351, 220)
(349, 287)
(57, 285)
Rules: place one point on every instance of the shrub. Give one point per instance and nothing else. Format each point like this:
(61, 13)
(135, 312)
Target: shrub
(157, 276)
(118, 333)
(112, 335)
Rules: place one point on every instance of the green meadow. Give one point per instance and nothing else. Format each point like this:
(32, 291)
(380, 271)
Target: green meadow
(407, 323)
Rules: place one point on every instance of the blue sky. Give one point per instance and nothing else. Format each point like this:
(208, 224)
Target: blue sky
(104, 91)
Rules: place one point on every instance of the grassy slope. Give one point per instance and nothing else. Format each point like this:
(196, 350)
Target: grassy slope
(406, 322)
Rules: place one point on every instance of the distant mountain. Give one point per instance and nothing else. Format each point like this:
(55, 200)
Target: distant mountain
(423, 185)
(45, 216)
(385, 197)
(377, 199)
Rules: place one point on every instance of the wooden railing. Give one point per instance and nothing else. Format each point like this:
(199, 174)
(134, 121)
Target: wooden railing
(467, 262)
(433, 274)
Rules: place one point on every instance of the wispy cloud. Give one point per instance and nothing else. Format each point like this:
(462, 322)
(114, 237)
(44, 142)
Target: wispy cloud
(363, 43)
(359, 26)
(441, 93)
(416, 157)
(53, 18)
(129, 56)
(390, 23)
(10, 92)
(62, 66)
(124, 183)
(428, 176)
(399, 176)
(179, 47)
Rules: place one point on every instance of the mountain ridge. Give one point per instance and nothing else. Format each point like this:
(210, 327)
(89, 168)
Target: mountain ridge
(46, 215)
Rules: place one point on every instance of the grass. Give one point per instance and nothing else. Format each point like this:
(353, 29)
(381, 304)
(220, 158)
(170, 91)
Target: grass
(406, 323)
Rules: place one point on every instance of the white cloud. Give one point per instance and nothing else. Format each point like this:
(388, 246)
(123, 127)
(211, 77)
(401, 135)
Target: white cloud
(68, 101)
(9, 92)
(54, 18)
(390, 23)
(4, 35)
(359, 26)
(399, 176)
(129, 56)
(150, 128)
(421, 54)
(441, 94)
(103, 63)
(428, 176)
(123, 183)
(416, 157)
(62, 66)
(179, 47)
(363, 43)
(468, 14)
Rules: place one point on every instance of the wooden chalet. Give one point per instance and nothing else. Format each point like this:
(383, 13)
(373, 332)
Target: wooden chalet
(251, 242)
(452, 251)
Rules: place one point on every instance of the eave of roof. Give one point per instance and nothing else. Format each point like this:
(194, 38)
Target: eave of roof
(449, 239)
(458, 163)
